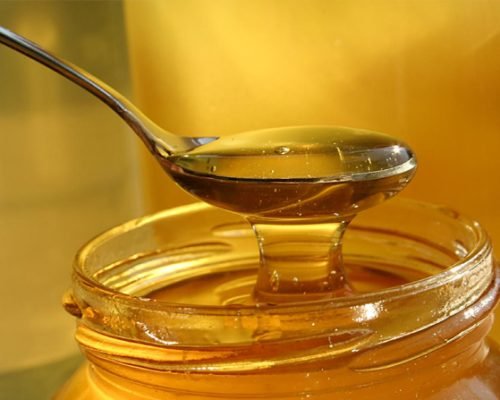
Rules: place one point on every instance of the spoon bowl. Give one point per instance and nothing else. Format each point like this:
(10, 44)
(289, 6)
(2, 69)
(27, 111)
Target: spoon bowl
(300, 153)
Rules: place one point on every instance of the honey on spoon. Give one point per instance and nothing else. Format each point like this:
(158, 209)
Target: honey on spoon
(299, 186)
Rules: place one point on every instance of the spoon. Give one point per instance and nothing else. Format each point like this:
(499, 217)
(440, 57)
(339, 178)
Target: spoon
(159, 141)
(299, 187)
(283, 155)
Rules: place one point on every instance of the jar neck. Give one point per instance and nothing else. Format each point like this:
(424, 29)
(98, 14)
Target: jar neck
(307, 333)
(397, 378)
(454, 345)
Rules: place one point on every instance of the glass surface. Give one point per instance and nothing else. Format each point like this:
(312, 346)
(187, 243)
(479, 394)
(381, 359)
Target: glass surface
(164, 307)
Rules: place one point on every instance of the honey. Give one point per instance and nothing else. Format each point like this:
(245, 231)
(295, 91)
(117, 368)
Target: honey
(299, 187)
(299, 173)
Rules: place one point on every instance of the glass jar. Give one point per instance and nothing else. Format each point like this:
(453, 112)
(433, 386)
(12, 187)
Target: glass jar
(160, 315)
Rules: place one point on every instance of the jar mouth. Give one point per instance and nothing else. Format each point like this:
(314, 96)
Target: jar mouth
(469, 258)
(456, 248)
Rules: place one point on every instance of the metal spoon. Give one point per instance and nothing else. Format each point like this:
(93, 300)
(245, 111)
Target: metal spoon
(296, 185)
(279, 154)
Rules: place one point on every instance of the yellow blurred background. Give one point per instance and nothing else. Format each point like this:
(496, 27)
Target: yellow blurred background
(427, 71)
(68, 170)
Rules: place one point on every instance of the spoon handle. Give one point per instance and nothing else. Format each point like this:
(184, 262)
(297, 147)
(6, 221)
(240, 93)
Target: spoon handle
(152, 135)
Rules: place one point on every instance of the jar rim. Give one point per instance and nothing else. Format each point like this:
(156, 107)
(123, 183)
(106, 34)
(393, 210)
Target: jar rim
(481, 250)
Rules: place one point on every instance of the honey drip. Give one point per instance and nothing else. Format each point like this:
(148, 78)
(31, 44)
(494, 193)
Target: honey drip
(299, 188)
